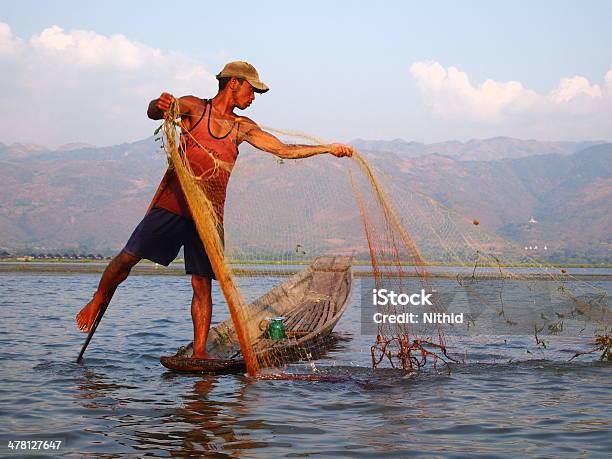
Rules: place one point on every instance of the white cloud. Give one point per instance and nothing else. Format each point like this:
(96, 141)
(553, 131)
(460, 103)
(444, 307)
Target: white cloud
(52, 38)
(575, 102)
(60, 86)
(450, 93)
(88, 49)
(570, 88)
(9, 45)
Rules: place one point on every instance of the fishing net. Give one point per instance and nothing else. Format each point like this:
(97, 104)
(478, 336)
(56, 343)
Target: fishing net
(484, 289)
(292, 229)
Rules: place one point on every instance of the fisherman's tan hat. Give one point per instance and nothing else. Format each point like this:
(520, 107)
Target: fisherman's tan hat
(246, 71)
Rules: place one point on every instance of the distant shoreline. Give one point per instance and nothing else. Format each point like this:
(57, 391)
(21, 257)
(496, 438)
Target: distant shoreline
(179, 261)
(146, 267)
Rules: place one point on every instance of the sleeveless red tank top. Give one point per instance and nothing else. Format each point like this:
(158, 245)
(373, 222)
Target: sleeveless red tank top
(214, 180)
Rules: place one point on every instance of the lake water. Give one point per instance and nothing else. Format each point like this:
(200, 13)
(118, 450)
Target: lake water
(503, 402)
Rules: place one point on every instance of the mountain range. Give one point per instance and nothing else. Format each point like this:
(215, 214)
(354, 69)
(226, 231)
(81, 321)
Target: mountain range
(555, 194)
(491, 149)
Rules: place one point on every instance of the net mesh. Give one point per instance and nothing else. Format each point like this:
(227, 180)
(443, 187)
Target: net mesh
(304, 223)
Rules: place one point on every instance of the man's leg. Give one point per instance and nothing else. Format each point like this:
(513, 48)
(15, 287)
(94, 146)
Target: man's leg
(201, 313)
(115, 273)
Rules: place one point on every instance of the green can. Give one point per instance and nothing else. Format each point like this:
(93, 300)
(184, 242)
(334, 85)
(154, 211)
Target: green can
(276, 329)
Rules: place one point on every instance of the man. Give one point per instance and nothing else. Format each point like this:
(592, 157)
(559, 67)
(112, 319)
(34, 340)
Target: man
(211, 133)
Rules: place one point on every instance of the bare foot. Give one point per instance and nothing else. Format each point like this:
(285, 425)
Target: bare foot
(86, 316)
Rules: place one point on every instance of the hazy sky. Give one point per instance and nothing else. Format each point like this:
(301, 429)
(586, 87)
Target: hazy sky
(426, 71)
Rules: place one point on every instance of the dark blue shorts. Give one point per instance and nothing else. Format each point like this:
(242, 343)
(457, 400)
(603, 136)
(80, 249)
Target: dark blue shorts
(159, 237)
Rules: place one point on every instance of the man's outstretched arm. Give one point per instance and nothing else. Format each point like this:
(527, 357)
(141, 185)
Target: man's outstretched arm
(267, 142)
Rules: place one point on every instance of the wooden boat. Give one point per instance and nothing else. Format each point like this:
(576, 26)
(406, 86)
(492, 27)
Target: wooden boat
(311, 302)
